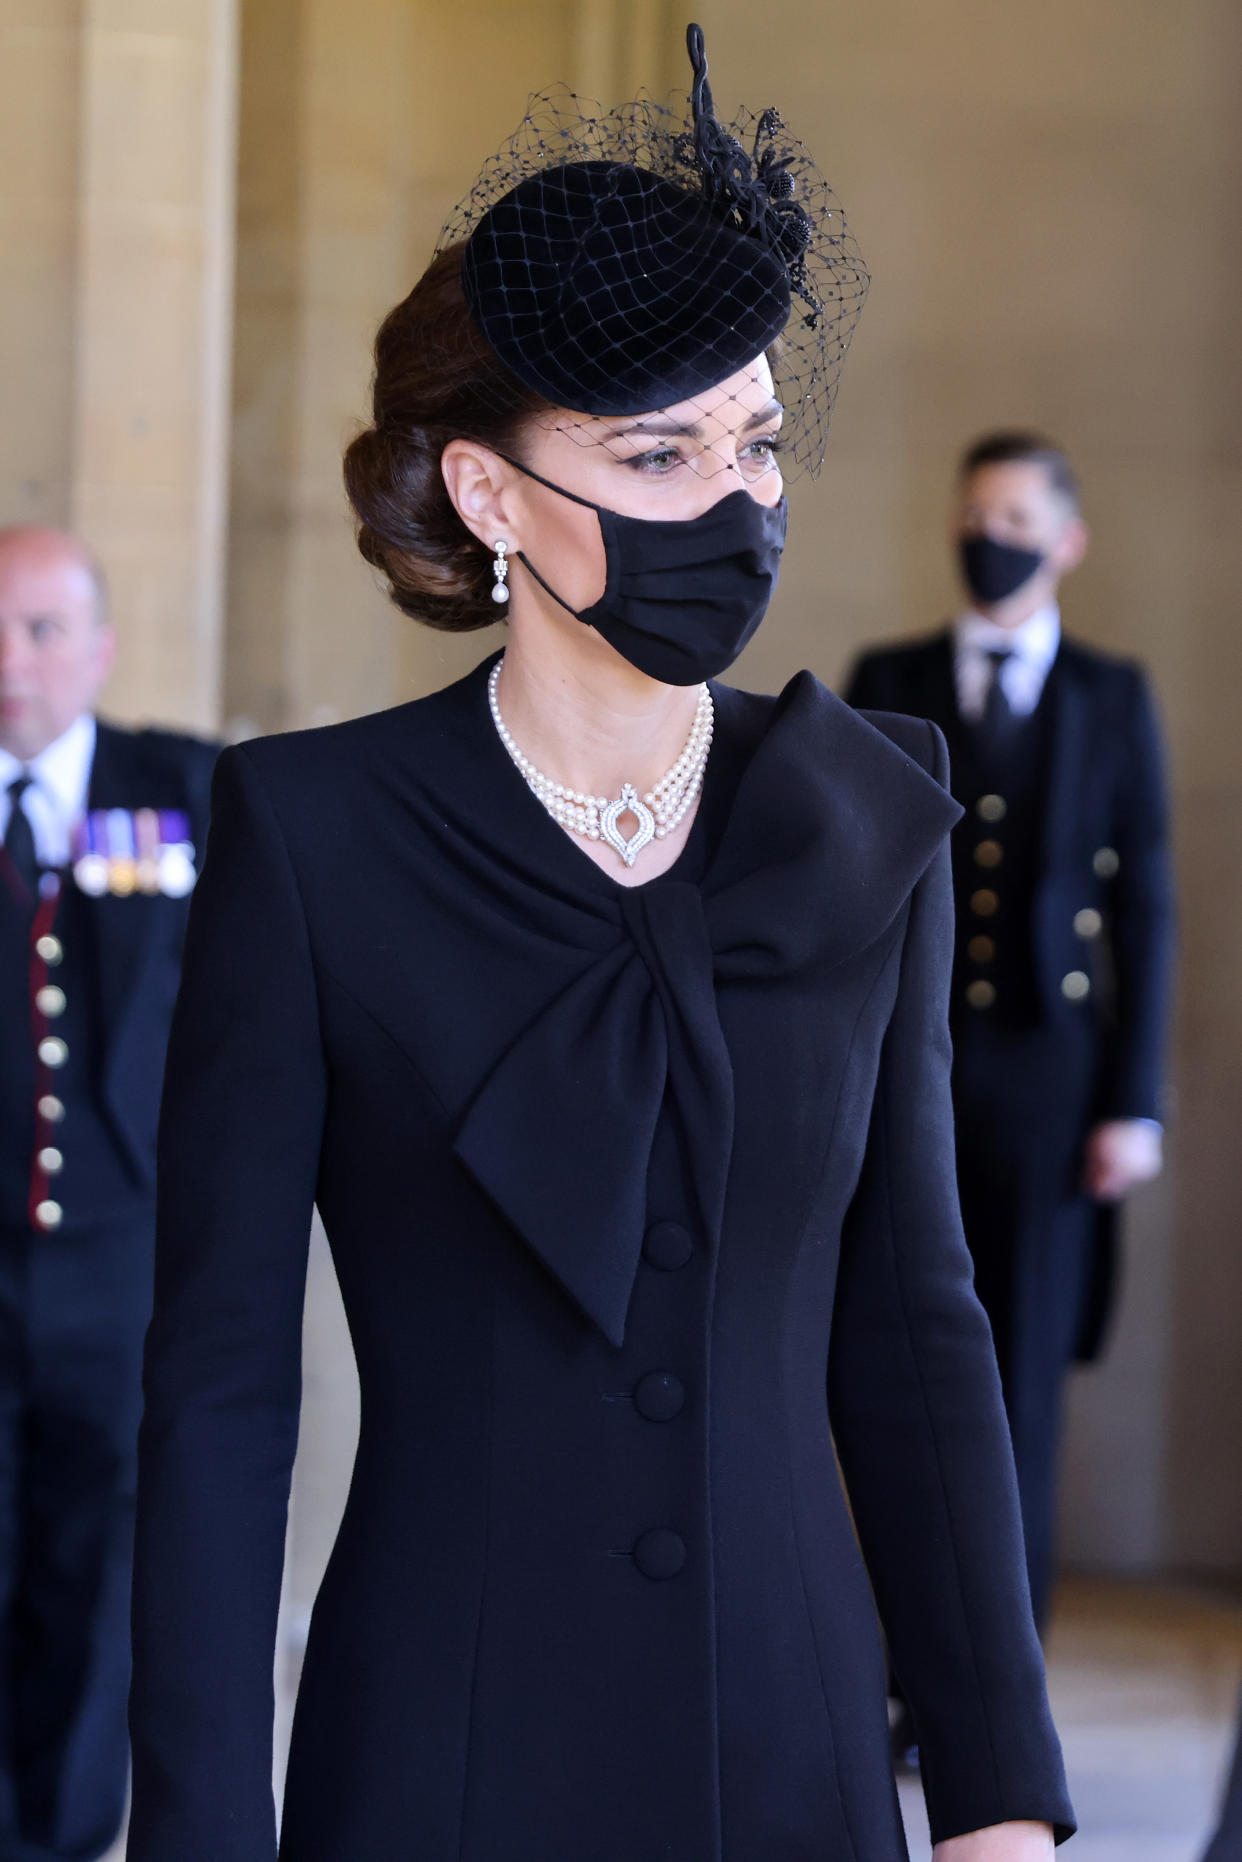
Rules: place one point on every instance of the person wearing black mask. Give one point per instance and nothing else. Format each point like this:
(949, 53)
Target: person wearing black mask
(1064, 934)
(602, 1009)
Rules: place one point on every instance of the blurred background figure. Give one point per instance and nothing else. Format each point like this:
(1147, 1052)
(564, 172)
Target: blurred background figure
(99, 829)
(1063, 962)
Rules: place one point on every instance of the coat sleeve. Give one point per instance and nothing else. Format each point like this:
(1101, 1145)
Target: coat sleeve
(920, 1429)
(238, 1155)
(1141, 920)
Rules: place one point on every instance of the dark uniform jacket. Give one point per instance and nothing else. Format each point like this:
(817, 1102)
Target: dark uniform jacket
(90, 983)
(87, 983)
(630, 1192)
(1100, 931)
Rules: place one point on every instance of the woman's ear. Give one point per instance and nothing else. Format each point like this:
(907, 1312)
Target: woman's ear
(481, 487)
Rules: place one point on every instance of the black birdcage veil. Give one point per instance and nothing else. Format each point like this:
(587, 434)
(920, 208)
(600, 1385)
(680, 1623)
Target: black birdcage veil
(633, 260)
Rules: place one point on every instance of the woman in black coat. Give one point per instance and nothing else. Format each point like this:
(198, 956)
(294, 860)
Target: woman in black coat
(625, 1103)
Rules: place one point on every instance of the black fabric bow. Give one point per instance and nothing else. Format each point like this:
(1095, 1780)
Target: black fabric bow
(812, 868)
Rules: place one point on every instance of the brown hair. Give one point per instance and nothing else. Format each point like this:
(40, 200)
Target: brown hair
(1018, 445)
(436, 379)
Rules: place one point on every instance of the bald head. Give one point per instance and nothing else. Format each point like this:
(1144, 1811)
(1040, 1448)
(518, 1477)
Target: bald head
(56, 646)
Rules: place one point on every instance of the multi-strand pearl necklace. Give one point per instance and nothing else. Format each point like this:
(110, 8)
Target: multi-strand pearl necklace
(593, 816)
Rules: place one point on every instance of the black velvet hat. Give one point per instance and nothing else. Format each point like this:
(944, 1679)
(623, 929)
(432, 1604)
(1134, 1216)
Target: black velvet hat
(626, 261)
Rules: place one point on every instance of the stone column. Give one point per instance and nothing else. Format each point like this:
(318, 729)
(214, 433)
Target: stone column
(39, 81)
(152, 320)
(116, 236)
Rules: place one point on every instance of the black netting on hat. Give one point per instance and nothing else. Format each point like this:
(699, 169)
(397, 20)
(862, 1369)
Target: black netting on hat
(626, 261)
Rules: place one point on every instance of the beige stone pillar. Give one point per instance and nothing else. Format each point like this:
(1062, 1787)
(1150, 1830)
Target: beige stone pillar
(39, 82)
(153, 316)
(116, 230)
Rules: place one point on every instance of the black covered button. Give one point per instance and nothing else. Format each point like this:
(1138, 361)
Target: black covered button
(659, 1396)
(667, 1245)
(660, 1553)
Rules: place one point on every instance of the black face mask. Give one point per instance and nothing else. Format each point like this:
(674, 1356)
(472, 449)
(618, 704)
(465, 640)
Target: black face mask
(681, 598)
(993, 570)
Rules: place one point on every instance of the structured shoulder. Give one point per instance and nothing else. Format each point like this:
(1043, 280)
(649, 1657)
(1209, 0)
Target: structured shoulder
(919, 738)
(889, 752)
(414, 732)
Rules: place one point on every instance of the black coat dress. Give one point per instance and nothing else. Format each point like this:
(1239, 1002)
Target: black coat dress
(629, 1192)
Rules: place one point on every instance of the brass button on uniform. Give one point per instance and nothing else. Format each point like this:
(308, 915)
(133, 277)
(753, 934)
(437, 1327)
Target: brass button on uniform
(50, 1001)
(51, 1108)
(991, 808)
(49, 948)
(659, 1396)
(1088, 922)
(989, 853)
(1106, 862)
(48, 1214)
(50, 1160)
(981, 949)
(981, 994)
(1076, 986)
(984, 902)
(52, 1051)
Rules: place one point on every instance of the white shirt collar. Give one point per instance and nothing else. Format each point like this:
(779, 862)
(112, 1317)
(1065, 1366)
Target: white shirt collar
(1030, 651)
(61, 779)
(1035, 642)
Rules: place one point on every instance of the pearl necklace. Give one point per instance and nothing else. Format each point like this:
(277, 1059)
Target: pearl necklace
(594, 816)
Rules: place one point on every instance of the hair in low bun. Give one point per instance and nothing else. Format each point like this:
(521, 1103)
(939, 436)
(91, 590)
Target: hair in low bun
(436, 379)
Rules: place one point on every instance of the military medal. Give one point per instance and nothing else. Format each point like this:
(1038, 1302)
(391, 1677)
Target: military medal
(90, 866)
(123, 852)
(147, 847)
(176, 855)
(122, 865)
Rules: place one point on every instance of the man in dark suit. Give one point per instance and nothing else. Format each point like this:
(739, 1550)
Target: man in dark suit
(99, 829)
(1064, 911)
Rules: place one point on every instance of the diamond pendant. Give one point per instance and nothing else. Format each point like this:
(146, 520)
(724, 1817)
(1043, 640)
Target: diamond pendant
(628, 803)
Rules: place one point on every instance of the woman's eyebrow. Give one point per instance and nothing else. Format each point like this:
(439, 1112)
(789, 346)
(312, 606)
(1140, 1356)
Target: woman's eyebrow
(661, 426)
(773, 411)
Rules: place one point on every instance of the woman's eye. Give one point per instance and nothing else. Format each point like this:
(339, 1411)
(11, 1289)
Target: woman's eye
(659, 460)
(763, 451)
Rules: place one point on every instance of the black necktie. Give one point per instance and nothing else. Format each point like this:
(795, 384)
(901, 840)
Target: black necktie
(996, 723)
(19, 841)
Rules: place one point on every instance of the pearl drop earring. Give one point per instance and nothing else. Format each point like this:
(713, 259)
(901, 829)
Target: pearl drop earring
(500, 570)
